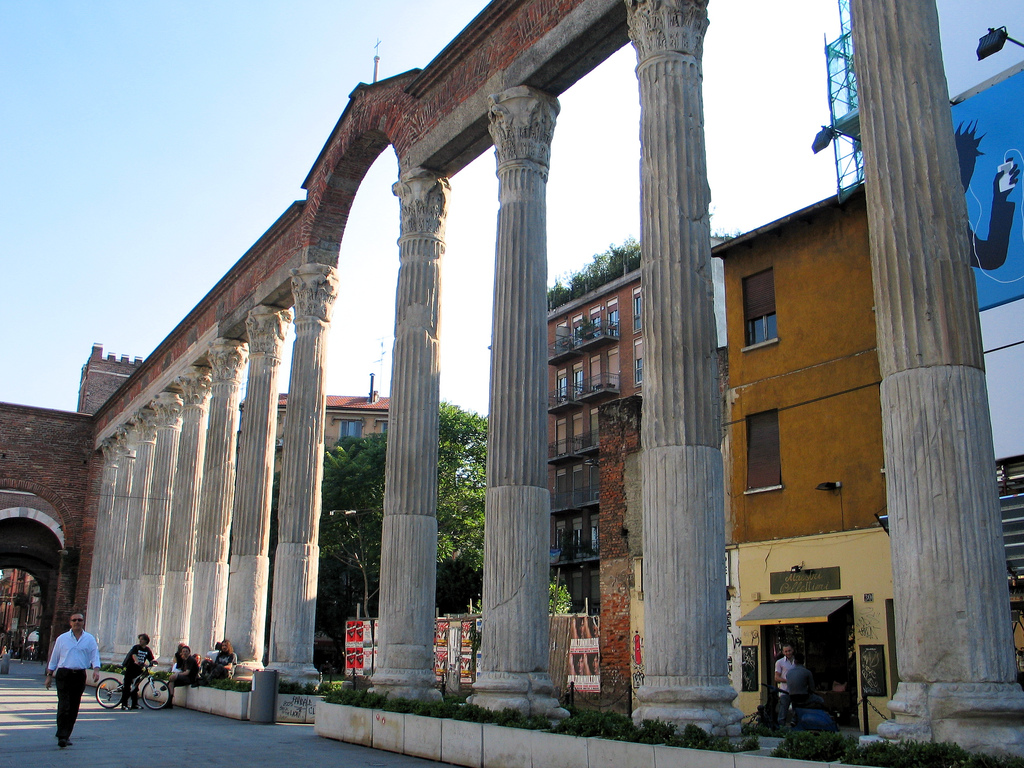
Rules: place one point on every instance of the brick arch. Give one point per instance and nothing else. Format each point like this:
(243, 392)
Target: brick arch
(48, 495)
(35, 515)
(376, 116)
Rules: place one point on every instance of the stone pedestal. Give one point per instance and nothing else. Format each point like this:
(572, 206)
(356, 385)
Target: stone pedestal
(248, 583)
(955, 649)
(227, 358)
(514, 664)
(409, 539)
(167, 422)
(141, 434)
(194, 387)
(686, 678)
(296, 565)
(114, 559)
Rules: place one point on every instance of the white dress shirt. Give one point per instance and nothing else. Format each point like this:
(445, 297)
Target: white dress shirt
(70, 652)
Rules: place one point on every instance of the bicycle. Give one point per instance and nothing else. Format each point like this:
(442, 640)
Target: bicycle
(153, 692)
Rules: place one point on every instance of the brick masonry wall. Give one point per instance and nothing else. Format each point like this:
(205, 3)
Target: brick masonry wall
(619, 426)
(50, 454)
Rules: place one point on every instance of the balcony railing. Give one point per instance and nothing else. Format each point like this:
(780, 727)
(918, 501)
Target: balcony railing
(590, 335)
(565, 397)
(601, 384)
(576, 499)
(575, 553)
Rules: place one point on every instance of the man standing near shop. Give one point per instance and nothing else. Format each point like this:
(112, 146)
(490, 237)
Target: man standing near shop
(74, 652)
(782, 667)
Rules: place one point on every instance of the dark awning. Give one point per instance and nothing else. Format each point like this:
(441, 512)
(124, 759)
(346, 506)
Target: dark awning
(794, 612)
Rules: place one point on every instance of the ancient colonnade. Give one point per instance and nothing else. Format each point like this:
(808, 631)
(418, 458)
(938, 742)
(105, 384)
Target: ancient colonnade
(175, 493)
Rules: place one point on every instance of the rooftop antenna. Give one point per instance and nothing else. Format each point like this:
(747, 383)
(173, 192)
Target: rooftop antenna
(376, 59)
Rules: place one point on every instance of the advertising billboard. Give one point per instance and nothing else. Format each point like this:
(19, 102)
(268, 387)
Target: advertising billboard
(989, 141)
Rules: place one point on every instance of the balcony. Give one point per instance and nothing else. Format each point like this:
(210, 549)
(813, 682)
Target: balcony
(565, 397)
(599, 386)
(564, 348)
(577, 499)
(575, 553)
(589, 443)
(566, 449)
(595, 335)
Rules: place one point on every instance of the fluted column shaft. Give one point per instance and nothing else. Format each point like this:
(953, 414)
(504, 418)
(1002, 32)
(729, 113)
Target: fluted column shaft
(227, 358)
(114, 561)
(686, 677)
(101, 535)
(296, 565)
(409, 536)
(167, 411)
(141, 434)
(514, 665)
(177, 606)
(955, 654)
(248, 583)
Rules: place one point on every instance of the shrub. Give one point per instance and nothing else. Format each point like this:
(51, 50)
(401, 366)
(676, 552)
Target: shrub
(226, 684)
(112, 668)
(605, 725)
(301, 689)
(694, 737)
(812, 745)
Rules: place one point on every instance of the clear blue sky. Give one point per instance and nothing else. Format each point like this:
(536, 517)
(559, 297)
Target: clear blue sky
(146, 146)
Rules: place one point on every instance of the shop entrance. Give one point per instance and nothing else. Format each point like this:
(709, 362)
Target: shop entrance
(830, 653)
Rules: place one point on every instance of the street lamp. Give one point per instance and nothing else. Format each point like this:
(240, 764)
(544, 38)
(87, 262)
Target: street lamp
(993, 42)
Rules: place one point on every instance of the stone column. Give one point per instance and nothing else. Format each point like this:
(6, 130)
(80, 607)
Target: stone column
(296, 565)
(194, 387)
(683, 483)
(141, 435)
(514, 667)
(250, 529)
(167, 421)
(114, 561)
(101, 536)
(227, 358)
(956, 660)
(409, 538)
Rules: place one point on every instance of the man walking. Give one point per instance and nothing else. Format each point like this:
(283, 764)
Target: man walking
(74, 652)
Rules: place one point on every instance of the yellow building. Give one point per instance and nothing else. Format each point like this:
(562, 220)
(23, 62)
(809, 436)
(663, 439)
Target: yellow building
(809, 558)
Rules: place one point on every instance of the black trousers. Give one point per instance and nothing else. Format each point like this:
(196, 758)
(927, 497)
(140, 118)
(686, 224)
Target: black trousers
(70, 685)
(130, 675)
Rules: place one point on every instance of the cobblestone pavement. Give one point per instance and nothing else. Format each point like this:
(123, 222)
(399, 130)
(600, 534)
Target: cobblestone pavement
(161, 739)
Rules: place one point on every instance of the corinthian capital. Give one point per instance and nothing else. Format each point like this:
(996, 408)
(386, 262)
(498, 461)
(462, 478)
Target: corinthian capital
(667, 26)
(424, 199)
(142, 427)
(227, 359)
(120, 443)
(267, 327)
(166, 409)
(522, 122)
(314, 287)
(195, 386)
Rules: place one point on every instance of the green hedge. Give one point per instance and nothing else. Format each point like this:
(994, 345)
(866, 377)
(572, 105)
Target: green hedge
(834, 747)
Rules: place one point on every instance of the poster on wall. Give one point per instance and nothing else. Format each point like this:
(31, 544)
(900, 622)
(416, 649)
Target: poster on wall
(989, 139)
(584, 654)
(359, 650)
(636, 659)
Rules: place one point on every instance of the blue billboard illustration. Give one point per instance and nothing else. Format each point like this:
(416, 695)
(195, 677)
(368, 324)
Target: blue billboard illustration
(989, 142)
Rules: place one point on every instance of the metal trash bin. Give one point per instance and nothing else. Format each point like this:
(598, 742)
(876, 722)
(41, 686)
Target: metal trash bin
(263, 699)
(5, 664)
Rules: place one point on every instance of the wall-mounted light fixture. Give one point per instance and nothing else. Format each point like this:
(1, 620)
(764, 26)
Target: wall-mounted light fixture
(829, 486)
(797, 568)
(883, 520)
(993, 42)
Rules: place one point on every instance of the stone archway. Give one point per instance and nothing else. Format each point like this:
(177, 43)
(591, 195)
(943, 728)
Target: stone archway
(31, 545)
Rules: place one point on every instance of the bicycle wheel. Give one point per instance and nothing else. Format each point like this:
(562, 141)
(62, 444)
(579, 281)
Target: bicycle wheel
(154, 693)
(108, 692)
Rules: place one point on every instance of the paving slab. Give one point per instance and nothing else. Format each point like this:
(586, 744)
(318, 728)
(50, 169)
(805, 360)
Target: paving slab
(161, 739)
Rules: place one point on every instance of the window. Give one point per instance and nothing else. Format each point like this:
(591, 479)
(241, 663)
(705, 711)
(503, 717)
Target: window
(764, 469)
(577, 380)
(561, 386)
(759, 307)
(613, 363)
(350, 428)
(637, 305)
(382, 426)
(638, 362)
(613, 318)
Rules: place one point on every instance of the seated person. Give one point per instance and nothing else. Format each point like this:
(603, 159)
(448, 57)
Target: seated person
(184, 671)
(222, 665)
(801, 685)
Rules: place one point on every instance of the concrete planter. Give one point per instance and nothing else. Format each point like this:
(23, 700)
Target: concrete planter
(297, 707)
(492, 746)
(233, 704)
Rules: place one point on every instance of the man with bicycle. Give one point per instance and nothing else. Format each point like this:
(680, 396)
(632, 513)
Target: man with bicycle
(73, 652)
(138, 658)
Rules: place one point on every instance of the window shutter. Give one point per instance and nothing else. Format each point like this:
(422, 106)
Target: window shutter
(759, 295)
(764, 468)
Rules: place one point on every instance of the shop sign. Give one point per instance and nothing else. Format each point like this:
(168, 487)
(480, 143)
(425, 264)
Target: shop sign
(807, 580)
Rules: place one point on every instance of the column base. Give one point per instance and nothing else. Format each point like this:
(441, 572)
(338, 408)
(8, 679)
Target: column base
(413, 684)
(530, 693)
(980, 717)
(297, 672)
(707, 706)
(244, 669)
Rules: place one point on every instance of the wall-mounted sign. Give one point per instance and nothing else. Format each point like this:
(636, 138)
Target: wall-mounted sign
(807, 580)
